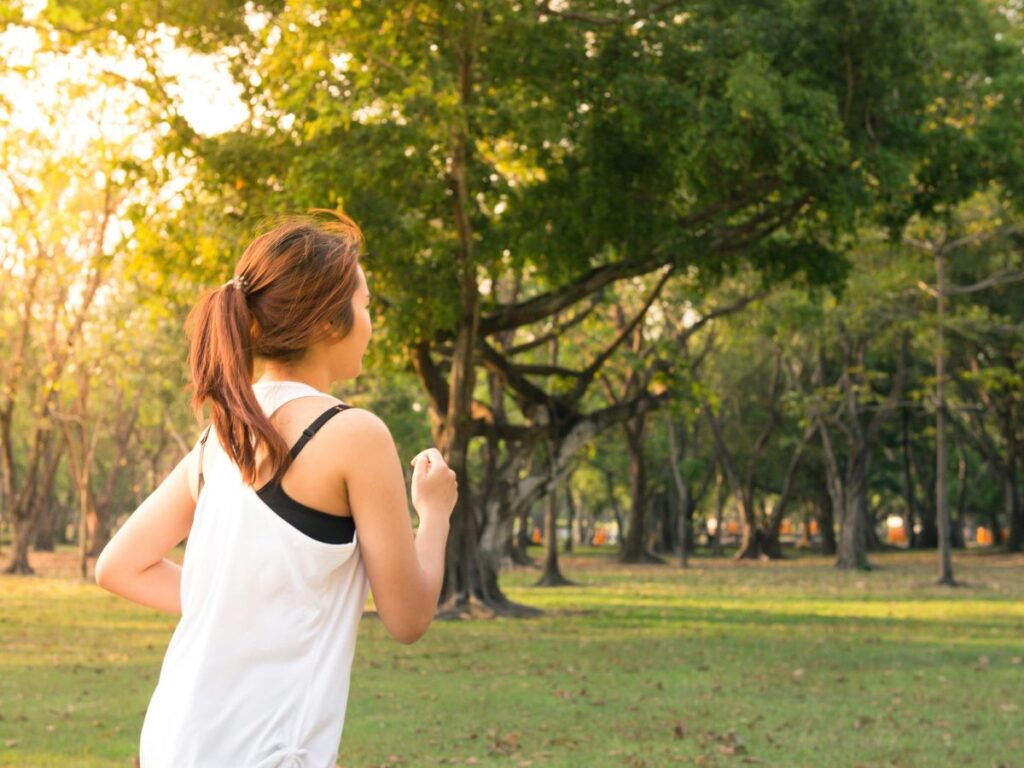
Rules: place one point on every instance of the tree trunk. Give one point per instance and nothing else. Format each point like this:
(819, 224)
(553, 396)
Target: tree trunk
(522, 540)
(770, 544)
(1012, 510)
(929, 538)
(945, 563)
(909, 494)
(633, 548)
(721, 494)
(570, 506)
(470, 582)
(1011, 487)
(682, 493)
(742, 489)
(804, 542)
(551, 576)
(46, 534)
(827, 525)
(962, 489)
(661, 536)
(25, 510)
(22, 529)
(470, 585)
(852, 551)
(840, 503)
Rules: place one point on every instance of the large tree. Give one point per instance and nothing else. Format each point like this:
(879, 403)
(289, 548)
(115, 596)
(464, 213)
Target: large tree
(566, 149)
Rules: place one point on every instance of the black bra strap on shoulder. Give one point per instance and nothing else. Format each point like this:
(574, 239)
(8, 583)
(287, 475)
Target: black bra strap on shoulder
(202, 447)
(313, 428)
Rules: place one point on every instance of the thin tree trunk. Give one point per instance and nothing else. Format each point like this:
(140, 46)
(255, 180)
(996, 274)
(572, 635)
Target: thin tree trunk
(770, 543)
(682, 493)
(721, 494)
(613, 500)
(634, 548)
(1012, 494)
(852, 551)
(523, 540)
(570, 506)
(804, 542)
(46, 534)
(910, 496)
(929, 538)
(827, 525)
(551, 576)
(962, 488)
(945, 563)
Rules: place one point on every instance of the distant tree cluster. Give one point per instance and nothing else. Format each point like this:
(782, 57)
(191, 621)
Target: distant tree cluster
(703, 268)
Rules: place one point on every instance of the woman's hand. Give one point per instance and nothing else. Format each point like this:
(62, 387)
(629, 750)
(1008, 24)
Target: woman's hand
(435, 488)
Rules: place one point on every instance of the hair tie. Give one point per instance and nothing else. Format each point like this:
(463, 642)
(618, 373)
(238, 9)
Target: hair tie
(238, 282)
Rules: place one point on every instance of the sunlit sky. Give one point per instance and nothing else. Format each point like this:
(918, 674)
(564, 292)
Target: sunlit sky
(206, 95)
(55, 104)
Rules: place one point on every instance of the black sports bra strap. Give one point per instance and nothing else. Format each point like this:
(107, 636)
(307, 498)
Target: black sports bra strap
(202, 446)
(313, 428)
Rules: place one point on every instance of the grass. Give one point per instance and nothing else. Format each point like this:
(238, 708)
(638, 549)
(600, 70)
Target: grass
(786, 664)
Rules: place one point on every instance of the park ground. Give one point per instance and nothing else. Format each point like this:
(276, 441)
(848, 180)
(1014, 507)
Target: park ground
(791, 663)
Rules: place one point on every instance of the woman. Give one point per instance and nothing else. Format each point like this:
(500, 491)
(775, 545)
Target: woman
(275, 577)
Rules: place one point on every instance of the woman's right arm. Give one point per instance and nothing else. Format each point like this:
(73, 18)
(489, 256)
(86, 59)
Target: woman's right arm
(405, 574)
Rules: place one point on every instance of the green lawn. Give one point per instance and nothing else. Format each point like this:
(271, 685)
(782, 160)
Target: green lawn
(788, 664)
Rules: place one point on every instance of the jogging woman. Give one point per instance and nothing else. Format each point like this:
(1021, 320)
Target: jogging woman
(294, 506)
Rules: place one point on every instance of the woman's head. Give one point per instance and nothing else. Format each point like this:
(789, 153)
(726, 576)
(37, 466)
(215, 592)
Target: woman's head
(298, 288)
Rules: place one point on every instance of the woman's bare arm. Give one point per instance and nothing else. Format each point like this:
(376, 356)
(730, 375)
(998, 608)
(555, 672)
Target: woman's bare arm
(405, 573)
(134, 563)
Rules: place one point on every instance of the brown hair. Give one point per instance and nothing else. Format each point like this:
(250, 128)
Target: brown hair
(289, 282)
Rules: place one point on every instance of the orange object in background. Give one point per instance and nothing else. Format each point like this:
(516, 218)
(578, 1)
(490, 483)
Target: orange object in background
(814, 527)
(896, 535)
(983, 536)
(786, 528)
(600, 538)
(535, 538)
(732, 527)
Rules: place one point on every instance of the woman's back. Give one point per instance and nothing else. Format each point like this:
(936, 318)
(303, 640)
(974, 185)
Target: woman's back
(257, 671)
(275, 577)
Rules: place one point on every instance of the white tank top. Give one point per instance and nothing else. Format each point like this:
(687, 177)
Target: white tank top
(256, 674)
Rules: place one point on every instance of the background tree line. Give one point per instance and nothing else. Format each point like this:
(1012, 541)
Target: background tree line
(664, 263)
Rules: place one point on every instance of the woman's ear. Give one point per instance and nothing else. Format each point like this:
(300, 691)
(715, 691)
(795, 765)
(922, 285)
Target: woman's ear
(331, 333)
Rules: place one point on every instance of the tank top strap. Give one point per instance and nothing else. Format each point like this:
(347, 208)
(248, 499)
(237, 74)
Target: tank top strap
(313, 428)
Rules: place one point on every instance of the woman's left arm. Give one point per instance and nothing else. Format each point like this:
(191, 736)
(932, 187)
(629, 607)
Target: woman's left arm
(134, 563)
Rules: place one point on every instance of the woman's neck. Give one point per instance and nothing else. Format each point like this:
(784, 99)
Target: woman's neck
(319, 379)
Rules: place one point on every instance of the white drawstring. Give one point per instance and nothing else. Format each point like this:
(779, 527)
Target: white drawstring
(286, 757)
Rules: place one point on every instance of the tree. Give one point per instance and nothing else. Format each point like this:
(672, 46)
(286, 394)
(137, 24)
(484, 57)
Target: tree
(697, 140)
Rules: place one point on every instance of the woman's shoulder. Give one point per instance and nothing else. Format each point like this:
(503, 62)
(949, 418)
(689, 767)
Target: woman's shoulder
(360, 421)
(358, 435)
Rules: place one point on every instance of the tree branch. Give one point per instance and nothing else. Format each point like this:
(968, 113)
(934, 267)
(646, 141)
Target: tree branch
(544, 9)
(530, 311)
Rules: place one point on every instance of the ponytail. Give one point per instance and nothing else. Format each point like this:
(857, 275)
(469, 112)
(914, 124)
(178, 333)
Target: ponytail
(219, 329)
(291, 283)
